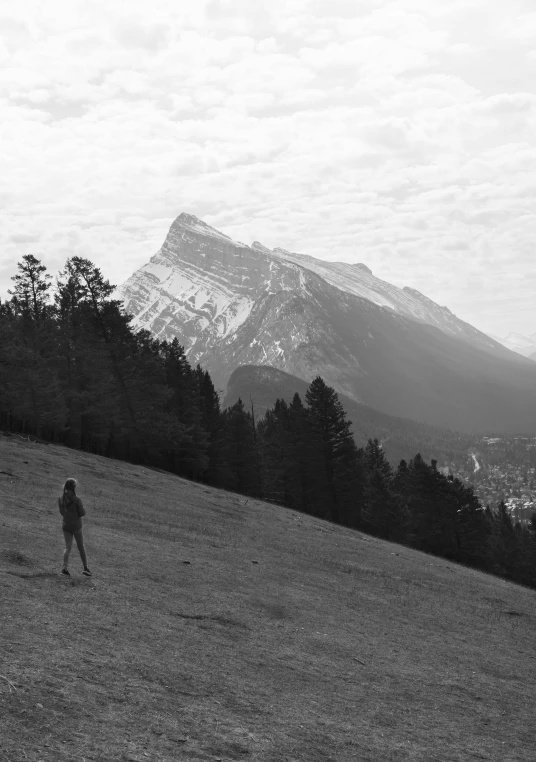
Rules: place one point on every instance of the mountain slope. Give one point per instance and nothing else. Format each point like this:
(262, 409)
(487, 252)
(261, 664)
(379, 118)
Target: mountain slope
(231, 305)
(358, 279)
(332, 645)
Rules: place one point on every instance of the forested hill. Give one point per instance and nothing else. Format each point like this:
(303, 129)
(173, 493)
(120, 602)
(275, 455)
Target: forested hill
(260, 386)
(73, 371)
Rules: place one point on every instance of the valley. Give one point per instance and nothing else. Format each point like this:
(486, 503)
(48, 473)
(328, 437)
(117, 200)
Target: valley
(506, 471)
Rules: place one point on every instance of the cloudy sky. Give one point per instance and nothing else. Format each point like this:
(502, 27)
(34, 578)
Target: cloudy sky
(399, 134)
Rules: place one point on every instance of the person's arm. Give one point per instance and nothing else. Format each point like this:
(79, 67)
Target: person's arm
(80, 508)
(60, 505)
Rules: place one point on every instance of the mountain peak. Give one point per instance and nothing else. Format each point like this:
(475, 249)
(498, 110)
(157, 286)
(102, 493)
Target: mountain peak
(193, 224)
(186, 218)
(260, 247)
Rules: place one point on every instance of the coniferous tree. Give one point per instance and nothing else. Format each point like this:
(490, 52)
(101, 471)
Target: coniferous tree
(84, 368)
(471, 525)
(211, 419)
(273, 431)
(110, 325)
(30, 386)
(383, 510)
(239, 452)
(338, 481)
(445, 517)
(281, 456)
(30, 293)
(191, 453)
(503, 541)
(302, 457)
(430, 513)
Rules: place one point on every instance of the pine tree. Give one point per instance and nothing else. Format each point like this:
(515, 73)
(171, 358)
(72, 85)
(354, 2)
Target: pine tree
(471, 526)
(31, 389)
(419, 486)
(383, 510)
(110, 322)
(338, 477)
(211, 419)
(301, 458)
(503, 541)
(275, 450)
(191, 453)
(30, 292)
(93, 399)
(239, 452)
(114, 377)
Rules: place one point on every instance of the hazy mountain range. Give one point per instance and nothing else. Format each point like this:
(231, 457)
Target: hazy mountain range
(523, 345)
(392, 349)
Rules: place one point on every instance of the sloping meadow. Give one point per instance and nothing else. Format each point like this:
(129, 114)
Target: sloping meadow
(221, 627)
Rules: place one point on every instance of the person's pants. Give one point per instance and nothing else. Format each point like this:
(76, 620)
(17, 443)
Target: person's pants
(78, 536)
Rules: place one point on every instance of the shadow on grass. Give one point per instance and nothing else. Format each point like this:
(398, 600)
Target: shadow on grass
(60, 579)
(15, 557)
(226, 621)
(231, 750)
(32, 575)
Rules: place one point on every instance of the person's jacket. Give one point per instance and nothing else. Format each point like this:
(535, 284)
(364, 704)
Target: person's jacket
(72, 510)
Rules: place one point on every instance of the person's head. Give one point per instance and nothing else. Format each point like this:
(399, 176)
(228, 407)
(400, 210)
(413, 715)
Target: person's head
(70, 486)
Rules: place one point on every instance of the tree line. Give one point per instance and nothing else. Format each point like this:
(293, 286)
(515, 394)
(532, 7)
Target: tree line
(73, 371)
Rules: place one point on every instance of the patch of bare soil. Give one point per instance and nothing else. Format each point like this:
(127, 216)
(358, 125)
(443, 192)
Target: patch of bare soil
(217, 628)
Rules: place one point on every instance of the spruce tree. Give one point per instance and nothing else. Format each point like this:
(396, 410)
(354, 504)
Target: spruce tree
(184, 403)
(302, 457)
(239, 452)
(383, 510)
(503, 541)
(211, 419)
(338, 476)
(274, 445)
(28, 344)
(93, 399)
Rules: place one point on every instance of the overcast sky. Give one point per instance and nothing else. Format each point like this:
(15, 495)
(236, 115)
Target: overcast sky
(399, 134)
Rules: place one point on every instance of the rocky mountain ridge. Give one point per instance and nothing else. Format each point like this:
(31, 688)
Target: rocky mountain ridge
(231, 304)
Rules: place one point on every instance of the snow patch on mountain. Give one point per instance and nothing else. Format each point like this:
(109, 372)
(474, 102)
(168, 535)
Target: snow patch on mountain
(202, 287)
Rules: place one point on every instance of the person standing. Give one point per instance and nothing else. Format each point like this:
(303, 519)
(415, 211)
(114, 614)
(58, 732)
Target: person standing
(72, 510)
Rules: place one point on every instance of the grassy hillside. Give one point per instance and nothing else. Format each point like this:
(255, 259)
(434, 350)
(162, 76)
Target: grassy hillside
(217, 627)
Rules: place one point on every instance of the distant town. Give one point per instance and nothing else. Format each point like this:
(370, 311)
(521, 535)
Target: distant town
(501, 468)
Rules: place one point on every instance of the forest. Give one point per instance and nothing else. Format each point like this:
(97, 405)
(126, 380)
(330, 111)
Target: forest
(74, 372)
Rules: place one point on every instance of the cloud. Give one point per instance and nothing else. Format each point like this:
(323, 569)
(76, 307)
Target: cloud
(24, 238)
(393, 133)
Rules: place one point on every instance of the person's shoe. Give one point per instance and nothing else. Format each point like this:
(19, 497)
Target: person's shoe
(87, 572)
(65, 572)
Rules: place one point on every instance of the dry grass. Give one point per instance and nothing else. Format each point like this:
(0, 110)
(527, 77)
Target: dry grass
(333, 646)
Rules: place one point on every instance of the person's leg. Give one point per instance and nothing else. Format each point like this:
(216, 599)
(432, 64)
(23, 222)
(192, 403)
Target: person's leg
(79, 537)
(68, 545)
